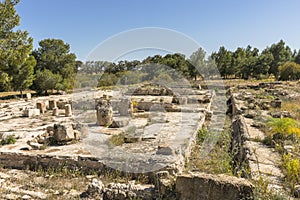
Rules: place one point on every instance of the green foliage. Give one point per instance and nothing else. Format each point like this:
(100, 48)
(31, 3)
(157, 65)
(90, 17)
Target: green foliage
(281, 125)
(130, 77)
(281, 54)
(289, 71)
(198, 64)
(8, 140)
(46, 80)
(219, 159)
(291, 168)
(223, 59)
(54, 55)
(107, 79)
(202, 134)
(16, 46)
(262, 191)
(24, 78)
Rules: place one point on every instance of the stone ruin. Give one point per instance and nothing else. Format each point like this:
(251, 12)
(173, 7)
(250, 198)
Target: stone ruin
(146, 118)
(104, 112)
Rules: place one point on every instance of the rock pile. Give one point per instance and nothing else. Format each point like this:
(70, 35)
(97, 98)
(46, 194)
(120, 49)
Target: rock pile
(63, 133)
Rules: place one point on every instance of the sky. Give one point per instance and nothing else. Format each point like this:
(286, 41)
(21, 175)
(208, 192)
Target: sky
(84, 24)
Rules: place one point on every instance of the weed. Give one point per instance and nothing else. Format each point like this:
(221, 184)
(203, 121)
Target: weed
(262, 191)
(285, 128)
(291, 168)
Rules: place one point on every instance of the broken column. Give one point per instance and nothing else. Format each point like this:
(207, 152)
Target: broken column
(41, 106)
(28, 96)
(52, 104)
(68, 110)
(55, 111)
(104, 112)
(125, 107)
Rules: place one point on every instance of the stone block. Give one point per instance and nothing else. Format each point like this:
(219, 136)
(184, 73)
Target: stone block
(31, 112)
(68, 110)
(28, 96)
(55, 111)
(63, 133)
(196, 186)
(52, 104)
(41, 106)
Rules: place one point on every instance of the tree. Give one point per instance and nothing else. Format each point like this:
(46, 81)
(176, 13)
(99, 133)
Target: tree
(289, 71)
(23, 79)
(223, 60)
(16, 46)
(46, 80)
(238, 60)
(262, 65)
(297, 57)
(198, 65)
(281, 54)
(54, 55)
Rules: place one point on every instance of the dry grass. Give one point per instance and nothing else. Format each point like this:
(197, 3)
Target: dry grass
(292, 107)
(56, 185)
(6, 94)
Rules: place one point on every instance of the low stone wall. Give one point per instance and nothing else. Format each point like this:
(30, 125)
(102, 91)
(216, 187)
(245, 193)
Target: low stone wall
(26, 161)
(195, 186)
(253, 159)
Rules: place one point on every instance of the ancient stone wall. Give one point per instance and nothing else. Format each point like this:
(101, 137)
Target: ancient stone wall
(195, 186)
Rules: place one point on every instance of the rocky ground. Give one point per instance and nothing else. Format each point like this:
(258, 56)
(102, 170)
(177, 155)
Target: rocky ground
(51, 138)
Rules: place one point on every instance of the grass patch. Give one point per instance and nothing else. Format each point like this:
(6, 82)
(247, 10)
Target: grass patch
(219, 159)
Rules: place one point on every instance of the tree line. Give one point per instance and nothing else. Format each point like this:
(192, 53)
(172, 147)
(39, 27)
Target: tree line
(278, 60)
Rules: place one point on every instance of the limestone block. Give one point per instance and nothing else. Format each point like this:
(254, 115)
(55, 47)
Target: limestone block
(68, 110)
(28, 96)
(31, 112)
(52, 104)
(41, 106)
(63, 132)
(55, 111)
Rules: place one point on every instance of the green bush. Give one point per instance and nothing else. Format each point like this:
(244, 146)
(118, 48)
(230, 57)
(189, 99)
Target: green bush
(284, 126)
(289, 71)
(107, 80)
(8, 140)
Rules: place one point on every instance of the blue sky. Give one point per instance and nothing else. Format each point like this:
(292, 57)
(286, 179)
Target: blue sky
(212, 23)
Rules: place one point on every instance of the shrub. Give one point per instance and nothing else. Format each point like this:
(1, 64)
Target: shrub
(8, 140)
(291, 167)
(107, 80)
(283, 126)
(289, 71)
